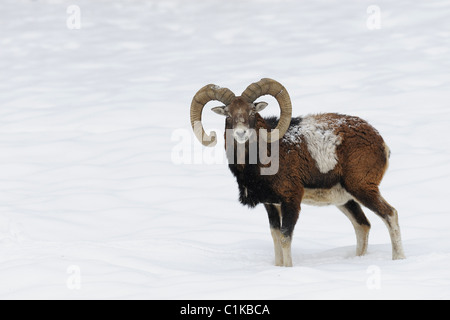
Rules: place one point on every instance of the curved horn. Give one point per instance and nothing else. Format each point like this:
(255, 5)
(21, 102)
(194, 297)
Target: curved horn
(275, 89)
(201, 98)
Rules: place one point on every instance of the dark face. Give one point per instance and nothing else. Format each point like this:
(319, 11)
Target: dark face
(240, 117)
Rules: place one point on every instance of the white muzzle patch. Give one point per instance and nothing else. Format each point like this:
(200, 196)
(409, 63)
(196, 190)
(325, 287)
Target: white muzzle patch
(241, 134)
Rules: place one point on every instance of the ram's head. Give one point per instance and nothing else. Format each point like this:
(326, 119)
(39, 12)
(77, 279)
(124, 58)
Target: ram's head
(240, 111)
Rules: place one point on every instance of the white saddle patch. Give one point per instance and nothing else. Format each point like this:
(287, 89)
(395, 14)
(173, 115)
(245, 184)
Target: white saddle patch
(320, 139)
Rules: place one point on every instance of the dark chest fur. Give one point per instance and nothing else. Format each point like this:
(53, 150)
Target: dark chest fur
(253, 188)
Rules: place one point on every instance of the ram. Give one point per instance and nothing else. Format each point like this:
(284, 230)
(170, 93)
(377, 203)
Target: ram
(324, 159)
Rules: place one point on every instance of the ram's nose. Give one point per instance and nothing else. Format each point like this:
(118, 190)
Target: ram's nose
(240, 135)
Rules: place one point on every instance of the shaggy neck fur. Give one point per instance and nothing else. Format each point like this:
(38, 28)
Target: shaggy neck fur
(254, 188)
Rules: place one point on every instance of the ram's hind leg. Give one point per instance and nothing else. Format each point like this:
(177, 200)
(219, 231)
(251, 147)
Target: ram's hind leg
(354, 212)
(372, 199)
(390, 218)
(274, 213)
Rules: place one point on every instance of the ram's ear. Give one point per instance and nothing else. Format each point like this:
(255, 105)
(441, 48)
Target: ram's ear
(259, 106)
(223, 111)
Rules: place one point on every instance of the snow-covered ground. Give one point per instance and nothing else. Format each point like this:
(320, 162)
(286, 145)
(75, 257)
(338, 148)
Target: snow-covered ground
(98, 199)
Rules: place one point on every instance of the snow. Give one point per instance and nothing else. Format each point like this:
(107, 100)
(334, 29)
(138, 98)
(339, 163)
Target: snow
(94, 203)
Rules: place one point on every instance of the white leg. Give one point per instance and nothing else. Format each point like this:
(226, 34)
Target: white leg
(276, 234)
(396, 239)
(361, 231)
(282, 243)
(286, 249)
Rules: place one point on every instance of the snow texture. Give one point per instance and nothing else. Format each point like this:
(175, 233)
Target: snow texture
(106, 194)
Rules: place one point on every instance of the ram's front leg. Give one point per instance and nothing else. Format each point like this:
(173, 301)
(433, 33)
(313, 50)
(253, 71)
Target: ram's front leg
(289, 217)
(274, 213)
